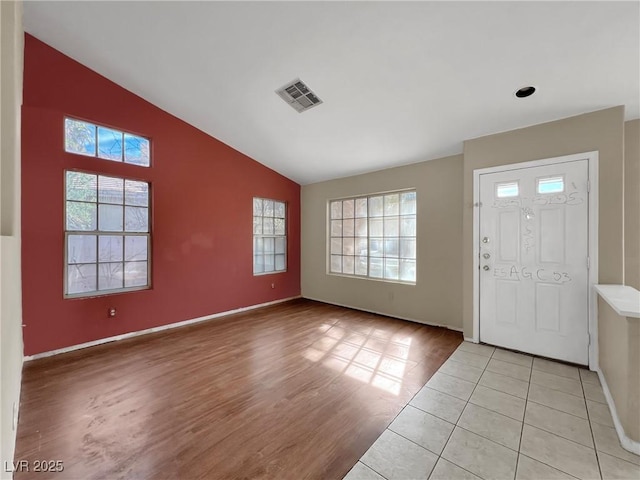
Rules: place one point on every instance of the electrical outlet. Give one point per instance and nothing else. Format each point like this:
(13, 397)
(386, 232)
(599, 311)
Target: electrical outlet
(14, 423)
(112, 312)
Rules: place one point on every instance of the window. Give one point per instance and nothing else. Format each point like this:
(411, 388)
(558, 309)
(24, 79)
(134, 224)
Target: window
(106, 234)
(374, 236)
(269, 236)
(551, 185)
(505, 190)
(85, 138)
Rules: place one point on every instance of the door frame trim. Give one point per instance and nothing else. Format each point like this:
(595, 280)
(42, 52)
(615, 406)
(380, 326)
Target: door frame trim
(592, 241)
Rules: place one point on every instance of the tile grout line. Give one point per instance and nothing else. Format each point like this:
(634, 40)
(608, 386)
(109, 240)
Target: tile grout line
(524, 415)
(370, 468)
(455, 424)
(463, 409)
(522, 421)
(550, 466)
(527, 400)
(593, 437)
(560, 436)
(552, 433)
(557, 409)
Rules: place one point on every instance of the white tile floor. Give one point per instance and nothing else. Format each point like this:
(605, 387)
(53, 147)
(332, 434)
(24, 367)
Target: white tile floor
(493, 414)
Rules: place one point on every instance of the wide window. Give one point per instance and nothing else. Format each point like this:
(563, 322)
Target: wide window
(269, 236)
(106, 234)
(86, 138)
(374, 236)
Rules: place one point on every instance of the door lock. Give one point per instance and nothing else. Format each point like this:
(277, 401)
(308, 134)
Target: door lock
(486, 267)
(485, 240)
(486, 255)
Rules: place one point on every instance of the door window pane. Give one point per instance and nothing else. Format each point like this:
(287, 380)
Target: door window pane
(505, 190)
(551, 185)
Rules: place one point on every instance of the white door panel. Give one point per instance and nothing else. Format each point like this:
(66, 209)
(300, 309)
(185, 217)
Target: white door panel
(533, 260)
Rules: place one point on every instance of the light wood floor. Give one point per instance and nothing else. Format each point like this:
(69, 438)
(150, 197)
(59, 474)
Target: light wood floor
(297, 390)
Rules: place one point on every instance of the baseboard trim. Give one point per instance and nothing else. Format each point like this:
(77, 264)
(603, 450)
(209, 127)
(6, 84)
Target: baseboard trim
(627, 443)
(154, 329)
(456, 329)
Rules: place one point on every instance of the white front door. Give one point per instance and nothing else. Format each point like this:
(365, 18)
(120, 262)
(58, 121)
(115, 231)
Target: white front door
(533, 248)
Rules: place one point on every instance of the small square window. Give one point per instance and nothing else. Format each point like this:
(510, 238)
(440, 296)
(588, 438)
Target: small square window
(550, 185)
(509, 189)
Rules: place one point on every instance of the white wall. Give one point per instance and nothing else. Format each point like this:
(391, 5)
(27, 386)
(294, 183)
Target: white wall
(11, 347)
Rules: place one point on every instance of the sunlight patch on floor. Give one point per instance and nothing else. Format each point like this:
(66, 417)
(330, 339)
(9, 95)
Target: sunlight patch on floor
(378, 357)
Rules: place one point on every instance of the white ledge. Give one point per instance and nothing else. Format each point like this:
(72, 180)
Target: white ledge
(625, 300)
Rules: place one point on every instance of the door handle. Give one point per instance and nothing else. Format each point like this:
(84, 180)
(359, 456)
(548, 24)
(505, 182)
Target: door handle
(486, 267)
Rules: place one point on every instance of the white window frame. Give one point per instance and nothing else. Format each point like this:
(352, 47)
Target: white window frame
(262, 236)
(97, 233)
(368, 237)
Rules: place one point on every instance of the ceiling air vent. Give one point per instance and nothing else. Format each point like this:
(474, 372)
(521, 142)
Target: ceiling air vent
(299, 96)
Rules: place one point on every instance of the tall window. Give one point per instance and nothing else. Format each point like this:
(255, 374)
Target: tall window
(106, 234)
(269, 236)
(374, 236)
(85, 138)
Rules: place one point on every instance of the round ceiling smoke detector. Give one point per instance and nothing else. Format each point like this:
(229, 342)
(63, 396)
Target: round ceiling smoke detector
(525, 92)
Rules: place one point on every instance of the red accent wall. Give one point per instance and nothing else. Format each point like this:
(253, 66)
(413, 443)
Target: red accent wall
(202, 194)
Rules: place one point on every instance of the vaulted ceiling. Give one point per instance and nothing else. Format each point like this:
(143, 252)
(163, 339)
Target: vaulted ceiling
(401, 82)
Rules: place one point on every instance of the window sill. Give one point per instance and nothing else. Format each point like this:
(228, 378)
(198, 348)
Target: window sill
(260, 274)
(362, 277)
(105, 293)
